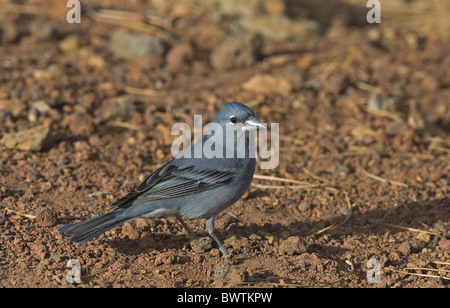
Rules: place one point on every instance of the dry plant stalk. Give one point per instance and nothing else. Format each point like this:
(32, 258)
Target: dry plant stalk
(383, 180)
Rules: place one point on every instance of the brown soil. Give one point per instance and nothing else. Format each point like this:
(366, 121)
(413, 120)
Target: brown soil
(364, 120)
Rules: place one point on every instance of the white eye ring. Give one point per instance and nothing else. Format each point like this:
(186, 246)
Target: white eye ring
(233, 119)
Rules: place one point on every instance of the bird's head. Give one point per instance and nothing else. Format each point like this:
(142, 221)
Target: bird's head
(238, 114)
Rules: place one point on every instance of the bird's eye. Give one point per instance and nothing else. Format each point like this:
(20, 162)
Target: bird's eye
(232, 119)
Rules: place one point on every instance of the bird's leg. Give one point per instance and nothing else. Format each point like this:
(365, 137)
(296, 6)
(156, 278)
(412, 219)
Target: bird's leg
(191, 235)
(185, 226)
(210, 229)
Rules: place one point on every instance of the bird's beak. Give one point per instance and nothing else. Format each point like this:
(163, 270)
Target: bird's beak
(252, 124)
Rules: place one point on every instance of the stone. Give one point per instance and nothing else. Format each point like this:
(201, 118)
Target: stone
(13, 106)
(404, 248)
(268, 84)
(69, 44)
(46, 217)
(340, 169)
(179, 56)
(80, 124)
(130, 45)
(236, 52)
(32, 139)
(121, 108)
(130, 231)
(201, 245)
(290, 246)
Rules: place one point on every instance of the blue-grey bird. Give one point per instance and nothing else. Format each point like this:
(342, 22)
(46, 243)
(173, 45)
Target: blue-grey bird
(192, 185)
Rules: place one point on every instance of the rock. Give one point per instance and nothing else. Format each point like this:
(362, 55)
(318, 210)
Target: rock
(430, 83)
(304, 206)
(207, 36)
(335, 83)
(130, 45)
(222, 270)
(236, 242)
(376, 102)
(33, 139)
(236, 52)
(425, 237)
(96, 61)
(226, 272)
(271, 238)
(46, 217)
(201, 245)
(404, 248)
(291, 246)
(280, 27)
(38, 249)
(121, 108)
(69, 44)
(167, 258)
(340, 169)
(80, 124)
(274, 7)
(267, 84)
(5, 116)
(444, 244)
(129, 231)
(13, 106)
(55, 257)
(179, 56)
(10, 33)
(37, 109)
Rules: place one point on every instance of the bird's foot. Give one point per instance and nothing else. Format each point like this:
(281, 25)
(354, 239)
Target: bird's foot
(224, 251)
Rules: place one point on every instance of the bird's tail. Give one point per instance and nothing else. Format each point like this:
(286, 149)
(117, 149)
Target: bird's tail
(82, 232)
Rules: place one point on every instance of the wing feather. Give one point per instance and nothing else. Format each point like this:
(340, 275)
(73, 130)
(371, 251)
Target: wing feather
(171, 181)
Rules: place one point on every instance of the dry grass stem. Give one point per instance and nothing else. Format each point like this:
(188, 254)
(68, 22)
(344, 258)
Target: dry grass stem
(347, 217)
(310, 173)
(278, 179)
(383, 180)
(402, 227)
(20, 213)
(143, 92)
(127, 125)
(123, 19)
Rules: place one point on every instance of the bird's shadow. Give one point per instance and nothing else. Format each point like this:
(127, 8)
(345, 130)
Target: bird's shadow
(417, 215)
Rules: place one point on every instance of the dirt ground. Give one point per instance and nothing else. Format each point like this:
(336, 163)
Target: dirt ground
(86, 111)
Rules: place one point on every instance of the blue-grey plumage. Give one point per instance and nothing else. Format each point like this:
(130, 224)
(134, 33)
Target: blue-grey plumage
(187, 187)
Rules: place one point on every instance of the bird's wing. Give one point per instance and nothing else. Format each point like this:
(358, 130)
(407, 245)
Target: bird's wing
(171, 181)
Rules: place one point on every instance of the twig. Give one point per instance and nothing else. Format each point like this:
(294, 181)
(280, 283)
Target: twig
(402, 227)
(274, 178)
(369, 88)
(99, 194)
(438, 139)
(294, 187)
(310, 173)
(380, 179)
(20, 213)
(143, 92)
(420, 275)
(349, 214)
(117, 19)
(127, 125)
(428, 269)
(385, 113)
